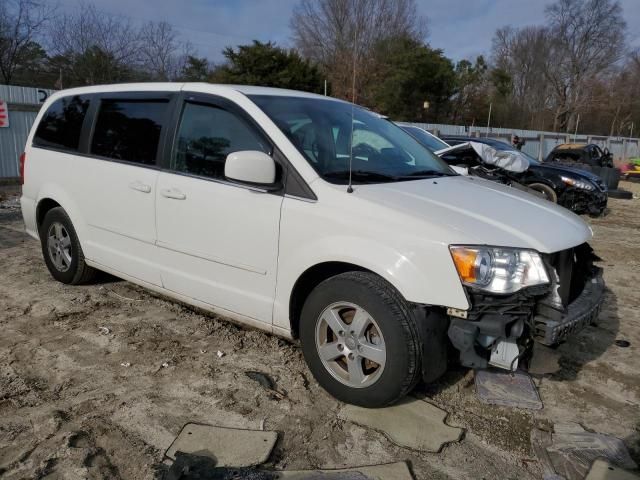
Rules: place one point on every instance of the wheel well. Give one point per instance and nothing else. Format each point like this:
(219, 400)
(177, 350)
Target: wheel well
(44, 206)
(309, 280)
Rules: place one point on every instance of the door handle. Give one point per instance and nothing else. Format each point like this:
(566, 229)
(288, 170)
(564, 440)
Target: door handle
(173, 193)
(140, 187)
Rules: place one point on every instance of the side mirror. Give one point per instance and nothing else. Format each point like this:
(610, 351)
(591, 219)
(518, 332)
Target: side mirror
(252, 167)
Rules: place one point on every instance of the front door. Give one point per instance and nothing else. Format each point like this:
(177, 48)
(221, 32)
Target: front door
(218, 241)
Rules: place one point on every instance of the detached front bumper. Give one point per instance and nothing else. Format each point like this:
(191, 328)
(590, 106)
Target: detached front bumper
(551, 328)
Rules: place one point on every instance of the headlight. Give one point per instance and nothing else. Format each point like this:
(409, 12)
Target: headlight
(498, 269)
(584, 185)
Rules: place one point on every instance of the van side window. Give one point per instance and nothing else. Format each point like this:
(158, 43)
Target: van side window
(129, 130)
(61, 124)
(206, 135)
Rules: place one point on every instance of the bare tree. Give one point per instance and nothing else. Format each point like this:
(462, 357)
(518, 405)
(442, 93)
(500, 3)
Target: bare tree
(524, 55)
(94, 46)
(160, 51)
(21, 22)
(337, 34)
(588, 37)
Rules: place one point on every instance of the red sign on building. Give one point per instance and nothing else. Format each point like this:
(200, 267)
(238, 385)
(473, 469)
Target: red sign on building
(4, 114)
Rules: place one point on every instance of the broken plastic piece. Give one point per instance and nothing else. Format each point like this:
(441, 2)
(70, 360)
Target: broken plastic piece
(573, 450)
(504, 354)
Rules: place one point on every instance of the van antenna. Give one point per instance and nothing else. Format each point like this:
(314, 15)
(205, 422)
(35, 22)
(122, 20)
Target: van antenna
(353, 101)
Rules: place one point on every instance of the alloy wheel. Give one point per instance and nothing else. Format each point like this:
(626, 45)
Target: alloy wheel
(350, 344)
(59, 246)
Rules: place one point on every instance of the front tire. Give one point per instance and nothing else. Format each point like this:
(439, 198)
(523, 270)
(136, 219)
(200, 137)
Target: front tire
(61, 249)
(360, 340)
(548, 192)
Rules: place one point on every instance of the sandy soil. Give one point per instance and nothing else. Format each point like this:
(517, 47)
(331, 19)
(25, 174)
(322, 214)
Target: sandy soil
(81, 401)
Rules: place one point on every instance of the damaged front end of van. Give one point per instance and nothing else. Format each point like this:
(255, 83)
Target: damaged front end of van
(563, 292)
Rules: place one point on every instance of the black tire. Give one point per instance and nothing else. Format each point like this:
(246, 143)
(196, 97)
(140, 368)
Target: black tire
(548, 192)
(397, 326)
(77, 271)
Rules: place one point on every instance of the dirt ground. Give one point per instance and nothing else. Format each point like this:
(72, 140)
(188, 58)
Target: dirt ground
(81, 401)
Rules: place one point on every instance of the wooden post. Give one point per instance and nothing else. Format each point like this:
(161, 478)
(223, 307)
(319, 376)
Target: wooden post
(541, 146)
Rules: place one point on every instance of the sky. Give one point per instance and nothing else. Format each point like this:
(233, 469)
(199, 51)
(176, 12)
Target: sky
(461, 28)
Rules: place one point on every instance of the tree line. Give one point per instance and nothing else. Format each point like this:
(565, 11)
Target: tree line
(575, 72)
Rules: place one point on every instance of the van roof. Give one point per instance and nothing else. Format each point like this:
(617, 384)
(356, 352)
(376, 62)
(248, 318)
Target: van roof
(177, 86)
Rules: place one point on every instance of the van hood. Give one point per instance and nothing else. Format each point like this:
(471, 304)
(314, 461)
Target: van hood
(471, 210)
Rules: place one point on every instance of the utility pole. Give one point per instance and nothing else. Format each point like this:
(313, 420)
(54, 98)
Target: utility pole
(489, 120)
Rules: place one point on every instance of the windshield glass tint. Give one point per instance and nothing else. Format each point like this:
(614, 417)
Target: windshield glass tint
(432, 143)
(322, 131)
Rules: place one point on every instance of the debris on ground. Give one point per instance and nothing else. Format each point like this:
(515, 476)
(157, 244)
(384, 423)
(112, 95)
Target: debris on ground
(571, 450)
(389, 471)
(267, 383)
(229, 447)
(411, 423)
(196, 467)
(508, 389)
(220, 354)
(125, 364)
(104, 330)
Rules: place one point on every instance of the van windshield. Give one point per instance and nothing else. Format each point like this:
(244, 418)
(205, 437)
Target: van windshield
(332, 134)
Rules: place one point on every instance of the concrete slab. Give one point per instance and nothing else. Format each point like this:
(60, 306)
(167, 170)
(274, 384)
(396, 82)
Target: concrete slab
(412, 423)
(390, 471)
(603, 470)
(229, 447)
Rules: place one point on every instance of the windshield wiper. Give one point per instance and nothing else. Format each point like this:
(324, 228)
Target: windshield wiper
(362, 175)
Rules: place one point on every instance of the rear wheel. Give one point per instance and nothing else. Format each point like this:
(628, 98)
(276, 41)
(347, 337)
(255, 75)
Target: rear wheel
(360, 340)
(61, 249)
(545, 190)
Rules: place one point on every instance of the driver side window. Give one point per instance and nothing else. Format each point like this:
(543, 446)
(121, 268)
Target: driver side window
(206, 135)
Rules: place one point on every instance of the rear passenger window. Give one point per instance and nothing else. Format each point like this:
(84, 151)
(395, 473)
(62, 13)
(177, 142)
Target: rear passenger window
(207, 134)
(129, 130)
(61, 124)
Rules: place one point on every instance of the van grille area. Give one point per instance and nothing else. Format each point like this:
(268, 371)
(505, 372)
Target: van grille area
(577, 292)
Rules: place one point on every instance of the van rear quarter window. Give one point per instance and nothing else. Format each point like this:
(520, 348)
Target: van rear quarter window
(129, 130)
(61, 124)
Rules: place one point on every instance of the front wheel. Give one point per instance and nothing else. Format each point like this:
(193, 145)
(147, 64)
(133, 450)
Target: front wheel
(545, 190)
(360, 340)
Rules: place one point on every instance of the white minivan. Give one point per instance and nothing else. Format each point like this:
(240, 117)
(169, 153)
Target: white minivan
(308, 217)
